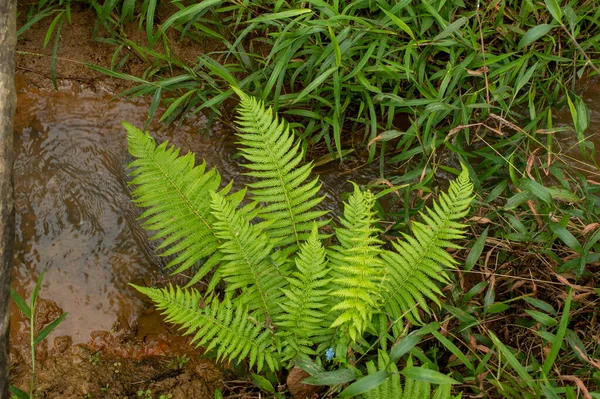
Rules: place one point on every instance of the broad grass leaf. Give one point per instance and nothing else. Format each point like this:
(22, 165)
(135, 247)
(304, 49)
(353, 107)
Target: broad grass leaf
(517, 200)
(20, 302)
(48, 329)
(550, 392)
(309, 366)
(537, 189)
(427, 375)
(335, 377)
(554, 8)
(20, 394)
(566, 237)
(534, 34)
(404, 346)
(386, 136)
(476, 250)
(262, 383)
(365, 384)
(542, 318)
(542, 305)
(495, 308)
(571, 16)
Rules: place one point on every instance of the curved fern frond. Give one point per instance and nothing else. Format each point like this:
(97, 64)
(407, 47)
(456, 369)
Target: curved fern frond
(358, 269)
(304, 313)
(177, 197)
(290, 197)
(419, 262)
(248, 262)
(222, 326)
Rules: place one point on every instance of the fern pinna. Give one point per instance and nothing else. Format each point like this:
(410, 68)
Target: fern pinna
(284, 294)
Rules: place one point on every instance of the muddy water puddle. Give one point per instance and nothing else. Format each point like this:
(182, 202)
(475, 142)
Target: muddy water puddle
(74, 214)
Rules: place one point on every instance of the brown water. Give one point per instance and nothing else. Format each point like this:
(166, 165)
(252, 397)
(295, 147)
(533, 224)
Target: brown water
(74, 215)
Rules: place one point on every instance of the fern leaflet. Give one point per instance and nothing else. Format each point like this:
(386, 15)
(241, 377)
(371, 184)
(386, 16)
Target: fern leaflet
(420, 261)
(303, 317)
(220, 325)
(358, 269)
(248, 261)
(289, 197)
(177, 197)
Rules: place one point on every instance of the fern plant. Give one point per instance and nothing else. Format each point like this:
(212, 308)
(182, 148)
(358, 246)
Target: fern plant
(276, 293)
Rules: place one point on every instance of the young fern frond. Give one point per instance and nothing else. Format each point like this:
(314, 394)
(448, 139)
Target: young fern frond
(418, 262)
(222, 326)
(303, 320)
(248, 262)
(284, 187)
(358, 269)
(177, 197)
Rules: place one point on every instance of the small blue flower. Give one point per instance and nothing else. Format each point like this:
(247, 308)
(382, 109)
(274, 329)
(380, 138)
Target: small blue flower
(329, 354)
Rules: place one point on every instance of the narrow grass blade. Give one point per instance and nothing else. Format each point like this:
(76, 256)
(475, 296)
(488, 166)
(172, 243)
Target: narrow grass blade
(55, 54)
(454, 349)
(51, 28)
(280, 15)
(36, 291)
(453, 28)
(512, 360)
(315, 83)
(400, 23)
(560, 334)
(189, 12)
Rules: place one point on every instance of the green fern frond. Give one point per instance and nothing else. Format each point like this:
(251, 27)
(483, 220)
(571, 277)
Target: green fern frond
(177, 197)
(290, 197)
(248, 262)
(420, 261)
(222, 326)
(358, 270)
(304, 313)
